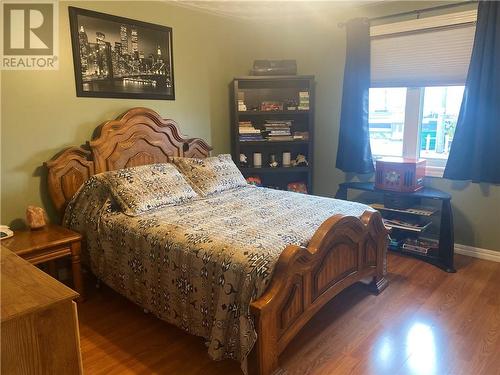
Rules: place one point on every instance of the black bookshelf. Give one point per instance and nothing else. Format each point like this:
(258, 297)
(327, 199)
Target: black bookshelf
(254, 90)
(268, 113)
(436, 218)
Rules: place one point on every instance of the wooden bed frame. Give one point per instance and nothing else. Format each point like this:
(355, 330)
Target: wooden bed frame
(343, 251)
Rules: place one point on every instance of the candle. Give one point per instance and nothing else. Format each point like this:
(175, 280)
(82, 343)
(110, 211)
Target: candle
(287, 159)
(257, 159)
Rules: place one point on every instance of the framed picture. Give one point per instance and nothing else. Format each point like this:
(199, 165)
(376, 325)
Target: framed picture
(116, 57)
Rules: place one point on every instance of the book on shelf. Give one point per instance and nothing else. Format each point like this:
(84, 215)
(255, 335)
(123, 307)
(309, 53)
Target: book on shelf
(278, 123)
(422, 211)
(410, 225)
(244, 138)
(278, 130)
(251, 138)
(277, 126)
(247, 128)
(301, 135)
(272, 133)
(281, 138)
(247, 132)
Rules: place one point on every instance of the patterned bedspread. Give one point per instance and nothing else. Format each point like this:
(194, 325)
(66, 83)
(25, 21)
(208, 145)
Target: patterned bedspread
(199, 265)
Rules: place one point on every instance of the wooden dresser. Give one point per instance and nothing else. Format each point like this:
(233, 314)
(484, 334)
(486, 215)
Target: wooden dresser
(39, 322)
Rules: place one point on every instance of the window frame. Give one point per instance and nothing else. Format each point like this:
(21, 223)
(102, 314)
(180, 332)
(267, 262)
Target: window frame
(411, 131)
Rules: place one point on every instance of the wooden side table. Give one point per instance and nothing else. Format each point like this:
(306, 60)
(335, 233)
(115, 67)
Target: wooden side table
(47, 244)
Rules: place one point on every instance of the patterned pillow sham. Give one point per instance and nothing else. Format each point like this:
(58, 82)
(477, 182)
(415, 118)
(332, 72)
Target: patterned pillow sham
(211, 175)
(141, 189)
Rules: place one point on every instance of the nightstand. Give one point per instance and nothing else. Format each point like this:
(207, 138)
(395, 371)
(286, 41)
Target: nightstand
(47, 244)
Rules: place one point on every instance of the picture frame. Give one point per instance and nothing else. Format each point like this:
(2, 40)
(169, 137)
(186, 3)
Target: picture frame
(118, 57)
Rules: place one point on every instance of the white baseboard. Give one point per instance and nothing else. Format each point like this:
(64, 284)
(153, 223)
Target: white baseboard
(477, 252)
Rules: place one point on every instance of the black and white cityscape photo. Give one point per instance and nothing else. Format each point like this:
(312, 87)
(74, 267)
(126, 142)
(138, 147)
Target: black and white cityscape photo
(119, 57)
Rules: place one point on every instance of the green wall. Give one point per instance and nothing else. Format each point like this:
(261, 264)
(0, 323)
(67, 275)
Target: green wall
(41, 113)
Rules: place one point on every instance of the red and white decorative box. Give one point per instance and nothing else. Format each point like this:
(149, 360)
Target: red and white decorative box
(399, 174)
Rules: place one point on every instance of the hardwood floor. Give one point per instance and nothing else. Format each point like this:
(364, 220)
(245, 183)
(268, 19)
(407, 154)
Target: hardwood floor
(428, 322)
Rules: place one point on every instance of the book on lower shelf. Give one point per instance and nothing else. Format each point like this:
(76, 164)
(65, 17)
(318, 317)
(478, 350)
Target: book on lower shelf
(409, 225)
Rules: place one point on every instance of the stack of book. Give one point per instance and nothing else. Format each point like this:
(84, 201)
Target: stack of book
(248, 132)
(278, 130)
(241, 106)
(303, 101)
(407, 224)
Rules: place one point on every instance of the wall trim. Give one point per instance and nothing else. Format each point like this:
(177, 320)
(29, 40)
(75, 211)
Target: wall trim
(477, 252)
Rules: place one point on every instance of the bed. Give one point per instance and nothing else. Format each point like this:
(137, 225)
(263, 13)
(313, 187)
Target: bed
(246, 269)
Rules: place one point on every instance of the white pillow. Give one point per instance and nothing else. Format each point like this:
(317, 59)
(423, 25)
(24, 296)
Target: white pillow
(211, 175)
(149, 187)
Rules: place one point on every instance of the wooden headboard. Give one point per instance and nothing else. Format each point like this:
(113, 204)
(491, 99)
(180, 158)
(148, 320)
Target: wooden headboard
(140, 136)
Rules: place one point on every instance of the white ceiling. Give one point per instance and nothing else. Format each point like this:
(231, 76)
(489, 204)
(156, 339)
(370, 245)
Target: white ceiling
(271, 9)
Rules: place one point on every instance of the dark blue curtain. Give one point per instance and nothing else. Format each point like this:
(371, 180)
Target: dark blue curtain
(475, 151)
(354, 153)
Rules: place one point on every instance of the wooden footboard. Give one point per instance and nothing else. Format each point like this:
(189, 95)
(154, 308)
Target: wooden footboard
(344, 250)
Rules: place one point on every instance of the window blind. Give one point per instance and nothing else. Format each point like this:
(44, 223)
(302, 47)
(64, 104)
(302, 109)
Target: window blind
(431, 51)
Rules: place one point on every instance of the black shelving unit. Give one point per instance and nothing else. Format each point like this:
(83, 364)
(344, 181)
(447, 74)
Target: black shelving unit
(267, 113)
(258, 89)
(440, 219)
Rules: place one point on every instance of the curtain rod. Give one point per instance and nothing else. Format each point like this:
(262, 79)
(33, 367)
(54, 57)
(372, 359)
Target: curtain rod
(417, 11)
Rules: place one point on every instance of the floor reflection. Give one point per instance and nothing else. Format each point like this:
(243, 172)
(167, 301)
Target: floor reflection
(385, 351)
(421, 349)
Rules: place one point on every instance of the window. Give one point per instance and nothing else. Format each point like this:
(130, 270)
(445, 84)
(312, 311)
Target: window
(414, 122)
(418, 72)
(438, 120)
(386, 119)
